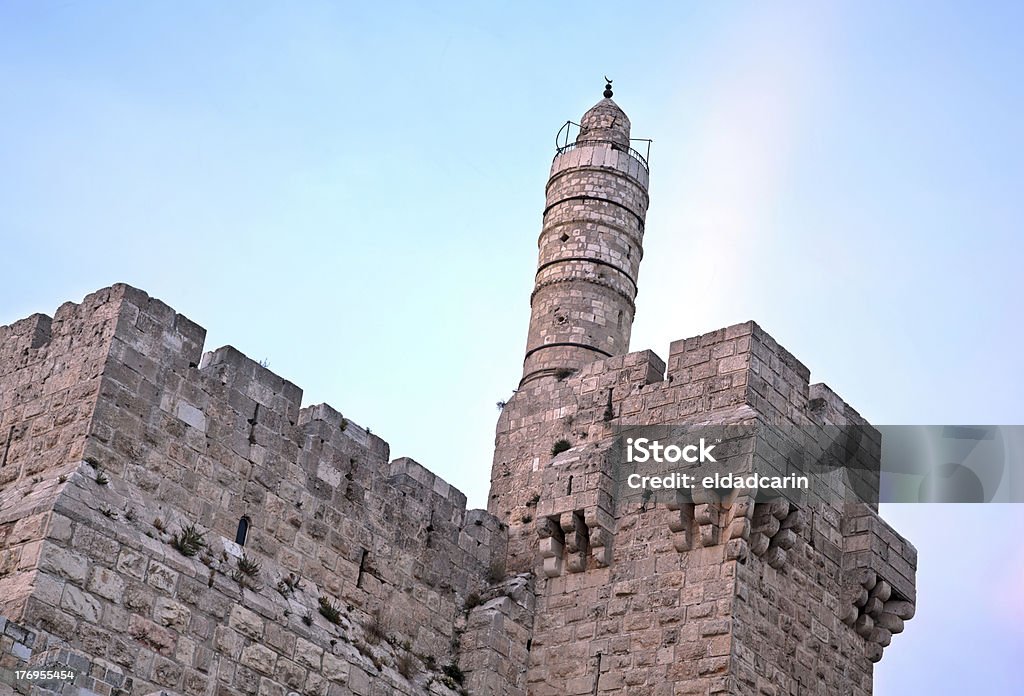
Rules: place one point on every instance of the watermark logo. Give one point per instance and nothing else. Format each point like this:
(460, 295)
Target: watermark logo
(642, 450)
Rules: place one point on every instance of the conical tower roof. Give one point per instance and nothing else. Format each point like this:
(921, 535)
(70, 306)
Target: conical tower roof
(606, 122)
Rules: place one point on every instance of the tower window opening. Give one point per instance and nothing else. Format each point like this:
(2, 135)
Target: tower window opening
(243, 530)
(564, 237)
(362, 567)
(7, 446)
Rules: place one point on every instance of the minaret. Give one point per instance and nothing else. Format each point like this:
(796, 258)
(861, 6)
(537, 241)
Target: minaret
(590, 248)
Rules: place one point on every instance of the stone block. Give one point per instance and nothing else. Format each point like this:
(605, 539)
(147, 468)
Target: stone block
(259, 658)
(106, 583)
(80, 603)
(246, 622)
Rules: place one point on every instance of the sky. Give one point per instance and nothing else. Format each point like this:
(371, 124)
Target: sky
(353, 193)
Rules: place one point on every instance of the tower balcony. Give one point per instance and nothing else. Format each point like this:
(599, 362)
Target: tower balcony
(568, 140)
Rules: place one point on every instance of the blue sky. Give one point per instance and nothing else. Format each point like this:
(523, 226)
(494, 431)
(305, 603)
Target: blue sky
(353, 193)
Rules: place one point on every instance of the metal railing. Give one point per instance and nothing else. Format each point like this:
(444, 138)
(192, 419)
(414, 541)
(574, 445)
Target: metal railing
(564, 144)
(630, 151)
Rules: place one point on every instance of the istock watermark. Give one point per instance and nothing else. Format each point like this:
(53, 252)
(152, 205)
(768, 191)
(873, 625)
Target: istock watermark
(820, 463)
(643, 450)
(678, 481)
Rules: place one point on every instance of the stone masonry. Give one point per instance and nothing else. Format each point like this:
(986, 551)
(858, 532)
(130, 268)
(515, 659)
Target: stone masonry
(590, 248)
(173, 522)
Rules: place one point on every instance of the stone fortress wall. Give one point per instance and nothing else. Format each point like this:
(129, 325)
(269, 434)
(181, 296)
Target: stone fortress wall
(363, 575)
(123, 434)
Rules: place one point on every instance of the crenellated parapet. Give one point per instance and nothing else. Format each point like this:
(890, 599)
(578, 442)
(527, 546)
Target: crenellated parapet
(318, 561)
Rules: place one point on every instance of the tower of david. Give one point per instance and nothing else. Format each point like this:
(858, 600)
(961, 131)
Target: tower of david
(176, 521)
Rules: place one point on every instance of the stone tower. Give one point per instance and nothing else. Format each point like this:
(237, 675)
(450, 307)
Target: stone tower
(731, 592)
(591, 244)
